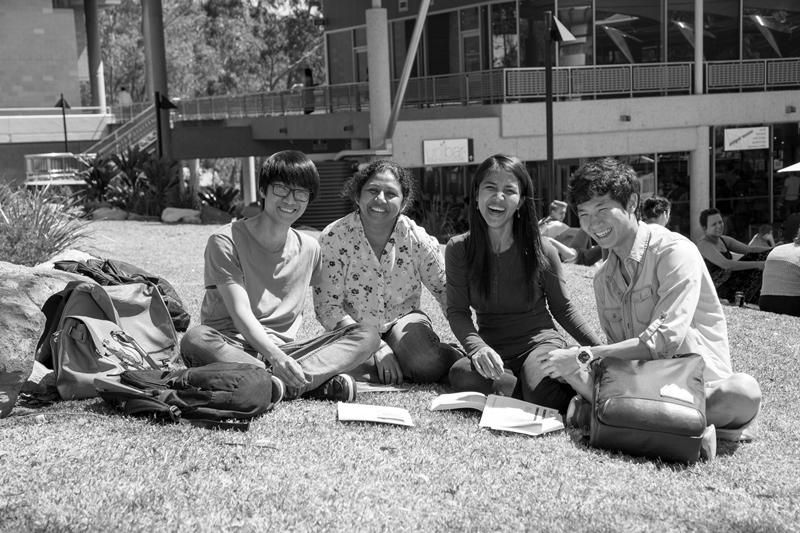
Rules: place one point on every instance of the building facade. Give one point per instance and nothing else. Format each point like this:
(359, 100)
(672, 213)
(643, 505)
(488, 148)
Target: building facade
(706, 118)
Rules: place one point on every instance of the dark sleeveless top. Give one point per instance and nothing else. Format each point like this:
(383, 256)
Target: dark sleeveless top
(712, 268)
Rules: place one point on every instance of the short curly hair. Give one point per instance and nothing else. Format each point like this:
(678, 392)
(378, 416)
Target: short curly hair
(603, 176)
(353, 186)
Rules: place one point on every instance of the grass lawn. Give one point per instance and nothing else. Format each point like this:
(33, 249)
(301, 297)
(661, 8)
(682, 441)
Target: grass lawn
(80, 466)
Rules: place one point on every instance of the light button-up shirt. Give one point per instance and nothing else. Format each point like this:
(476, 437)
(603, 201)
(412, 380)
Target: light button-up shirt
(670, 303)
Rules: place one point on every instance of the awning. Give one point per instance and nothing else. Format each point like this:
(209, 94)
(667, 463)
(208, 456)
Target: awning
(791, 168)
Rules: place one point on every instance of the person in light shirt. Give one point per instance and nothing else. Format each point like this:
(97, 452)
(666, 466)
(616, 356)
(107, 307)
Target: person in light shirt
(780, 284)
(375, 262)
(655, 299)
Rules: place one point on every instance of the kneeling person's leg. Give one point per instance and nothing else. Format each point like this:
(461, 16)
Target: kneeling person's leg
(202, 345)
(732, 405)
(422, 357)
(333, 352)
(537, 387)
(464, 378)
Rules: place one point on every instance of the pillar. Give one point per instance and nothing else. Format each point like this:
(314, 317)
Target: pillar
(95, 59)
(698, 46)
(249, 185)
(156, 64)
(378, 60)
(700, 178)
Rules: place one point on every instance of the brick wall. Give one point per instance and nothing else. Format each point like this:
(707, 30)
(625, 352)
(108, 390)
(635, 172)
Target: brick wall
(39, 58)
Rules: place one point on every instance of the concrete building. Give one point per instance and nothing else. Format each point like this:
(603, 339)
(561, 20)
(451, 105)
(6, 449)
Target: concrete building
(705, 117)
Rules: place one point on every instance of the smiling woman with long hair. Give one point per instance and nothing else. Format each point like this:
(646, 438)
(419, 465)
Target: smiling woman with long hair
(512, 279)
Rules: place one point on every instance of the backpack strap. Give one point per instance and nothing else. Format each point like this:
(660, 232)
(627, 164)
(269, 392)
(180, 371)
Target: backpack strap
(153, 407)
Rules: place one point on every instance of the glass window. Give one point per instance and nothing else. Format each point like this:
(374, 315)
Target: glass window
(680, 30)
(401, 38)
(360, 37)
(767, 31)
(442, 37)
(628, 32)
(340, 57)
(576, 15)
(505, 41)
(721, 35)
(469, 19)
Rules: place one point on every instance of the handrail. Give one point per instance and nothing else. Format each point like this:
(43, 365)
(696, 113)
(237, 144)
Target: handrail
(139, 131)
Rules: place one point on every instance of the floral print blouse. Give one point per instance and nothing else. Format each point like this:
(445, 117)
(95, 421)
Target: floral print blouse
(375, 290)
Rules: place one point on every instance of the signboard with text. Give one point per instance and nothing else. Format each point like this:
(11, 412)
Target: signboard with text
(756, 138)
(446, 152)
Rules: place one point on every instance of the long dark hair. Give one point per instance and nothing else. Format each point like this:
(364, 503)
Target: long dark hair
(525, 225)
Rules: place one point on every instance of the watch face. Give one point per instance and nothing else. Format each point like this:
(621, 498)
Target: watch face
(584, 357)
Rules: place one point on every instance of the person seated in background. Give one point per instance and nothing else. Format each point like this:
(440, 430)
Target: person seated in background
(656, 210)
(514, 282)
(763, 238)
(655, 299)
(730, 275)
(375, 262)
(780, 284)
(256, 274)
(553, 224)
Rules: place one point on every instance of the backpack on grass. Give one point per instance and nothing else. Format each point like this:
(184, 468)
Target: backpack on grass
(114, 272)
(206, 396)
(92, 330)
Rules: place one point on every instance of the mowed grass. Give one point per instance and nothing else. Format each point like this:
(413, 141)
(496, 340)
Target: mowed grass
(81, 466)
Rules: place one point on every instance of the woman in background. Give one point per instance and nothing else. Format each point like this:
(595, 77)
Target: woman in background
(730, 275)
(513, 280)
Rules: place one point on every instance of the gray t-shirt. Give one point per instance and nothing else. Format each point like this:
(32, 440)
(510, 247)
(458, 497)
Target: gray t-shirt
(276, 282)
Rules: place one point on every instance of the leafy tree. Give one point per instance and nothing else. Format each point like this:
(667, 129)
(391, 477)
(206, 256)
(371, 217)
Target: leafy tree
(215, 46)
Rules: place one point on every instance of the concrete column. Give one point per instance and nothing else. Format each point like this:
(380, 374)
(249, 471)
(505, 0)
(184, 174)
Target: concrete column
(194, 173)
(156, 65)
(700, 178)
(249, 185)
(698, 47)
(380, 93)
(95, 58)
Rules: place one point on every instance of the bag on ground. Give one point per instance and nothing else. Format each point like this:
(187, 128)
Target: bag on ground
(93, 330)
(652, 408)
(114, 272)
(206, 395)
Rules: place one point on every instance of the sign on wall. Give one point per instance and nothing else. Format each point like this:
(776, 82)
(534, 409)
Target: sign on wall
(756, 138)
(446, 151)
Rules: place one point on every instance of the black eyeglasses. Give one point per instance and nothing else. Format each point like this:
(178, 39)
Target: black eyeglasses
(301, 195)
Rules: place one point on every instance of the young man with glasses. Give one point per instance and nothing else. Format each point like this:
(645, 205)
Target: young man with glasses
(256, 274)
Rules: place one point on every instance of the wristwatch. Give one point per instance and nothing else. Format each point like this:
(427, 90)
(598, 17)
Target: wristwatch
(584, 357)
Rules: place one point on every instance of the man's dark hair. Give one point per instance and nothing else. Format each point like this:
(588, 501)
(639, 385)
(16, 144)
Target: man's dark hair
(291, 167)
(705, 213)
(600, 177)
(655, 206)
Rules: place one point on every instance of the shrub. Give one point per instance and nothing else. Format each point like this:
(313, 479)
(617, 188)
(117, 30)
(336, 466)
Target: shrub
(37, 224)
(224, 197)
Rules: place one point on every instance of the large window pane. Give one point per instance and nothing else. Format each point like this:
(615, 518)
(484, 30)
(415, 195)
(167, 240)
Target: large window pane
(769, 32)
(680, 30)
(576, 15)
(442, 38)
(721, 40)
(340, 57)
(505, 41)
(628, 32)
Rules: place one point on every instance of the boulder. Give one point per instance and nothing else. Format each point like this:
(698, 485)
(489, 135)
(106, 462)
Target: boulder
(109, 213)
(23, 290)
(178, 214)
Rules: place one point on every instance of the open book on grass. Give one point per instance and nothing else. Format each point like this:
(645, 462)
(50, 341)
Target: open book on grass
(357, 412)
(503, 413)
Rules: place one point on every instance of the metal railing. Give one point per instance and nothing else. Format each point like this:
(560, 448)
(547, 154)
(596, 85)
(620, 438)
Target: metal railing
(139, 131)
(59, 168)
(752, 74)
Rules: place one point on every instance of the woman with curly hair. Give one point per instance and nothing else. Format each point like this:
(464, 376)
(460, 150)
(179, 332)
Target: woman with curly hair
(375, 262)
(511, 277)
